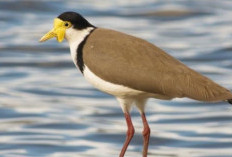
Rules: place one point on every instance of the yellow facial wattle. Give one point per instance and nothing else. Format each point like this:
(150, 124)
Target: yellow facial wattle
(58, 30)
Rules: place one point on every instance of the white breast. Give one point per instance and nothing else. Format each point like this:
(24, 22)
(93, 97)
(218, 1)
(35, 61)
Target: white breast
(74, 38)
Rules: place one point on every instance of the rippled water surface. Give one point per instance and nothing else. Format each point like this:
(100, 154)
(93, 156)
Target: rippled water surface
(47, 109)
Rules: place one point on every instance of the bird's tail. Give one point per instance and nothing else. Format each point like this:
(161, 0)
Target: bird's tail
(229, 101)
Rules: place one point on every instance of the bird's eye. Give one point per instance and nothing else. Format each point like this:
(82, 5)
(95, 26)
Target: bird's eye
(66, 24)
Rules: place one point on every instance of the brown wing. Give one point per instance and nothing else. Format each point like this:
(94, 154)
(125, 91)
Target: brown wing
(126, 60)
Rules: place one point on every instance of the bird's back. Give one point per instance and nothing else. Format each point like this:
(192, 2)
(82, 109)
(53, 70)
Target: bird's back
(126, 60)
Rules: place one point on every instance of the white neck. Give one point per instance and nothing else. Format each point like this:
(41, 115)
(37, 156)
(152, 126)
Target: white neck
(74, 38)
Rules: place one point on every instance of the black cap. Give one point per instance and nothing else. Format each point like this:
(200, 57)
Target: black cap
(78, 21)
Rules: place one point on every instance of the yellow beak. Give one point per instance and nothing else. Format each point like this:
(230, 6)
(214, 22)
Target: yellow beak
(58, 31)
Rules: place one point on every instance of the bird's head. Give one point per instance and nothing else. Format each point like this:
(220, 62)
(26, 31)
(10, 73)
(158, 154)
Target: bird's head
(64, 22)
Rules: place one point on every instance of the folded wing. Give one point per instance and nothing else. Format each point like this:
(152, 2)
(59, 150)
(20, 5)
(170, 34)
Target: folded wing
(126, 60)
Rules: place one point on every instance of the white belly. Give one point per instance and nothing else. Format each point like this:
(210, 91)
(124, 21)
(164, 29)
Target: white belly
(110, 88)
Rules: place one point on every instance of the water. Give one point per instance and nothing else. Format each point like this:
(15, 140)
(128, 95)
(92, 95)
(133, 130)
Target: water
(47, 109)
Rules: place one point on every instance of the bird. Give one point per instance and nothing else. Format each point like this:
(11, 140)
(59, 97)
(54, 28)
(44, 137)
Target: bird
(131, 69)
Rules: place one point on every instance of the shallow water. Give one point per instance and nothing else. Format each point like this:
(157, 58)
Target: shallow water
(47, 109)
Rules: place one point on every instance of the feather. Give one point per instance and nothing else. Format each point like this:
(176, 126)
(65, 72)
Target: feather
(126, 60)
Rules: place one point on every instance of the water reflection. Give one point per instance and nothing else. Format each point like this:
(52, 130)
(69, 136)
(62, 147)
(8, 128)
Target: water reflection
(48, 109)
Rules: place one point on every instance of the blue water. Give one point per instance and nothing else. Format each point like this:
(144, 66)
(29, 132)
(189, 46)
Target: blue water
(47, 109)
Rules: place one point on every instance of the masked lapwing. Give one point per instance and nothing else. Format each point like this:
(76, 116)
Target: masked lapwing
(131, 69)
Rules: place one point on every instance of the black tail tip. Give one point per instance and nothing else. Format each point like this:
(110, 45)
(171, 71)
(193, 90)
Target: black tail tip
(229, 101)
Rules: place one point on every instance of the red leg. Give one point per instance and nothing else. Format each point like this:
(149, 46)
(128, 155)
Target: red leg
(130, 134)
(146, 135)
